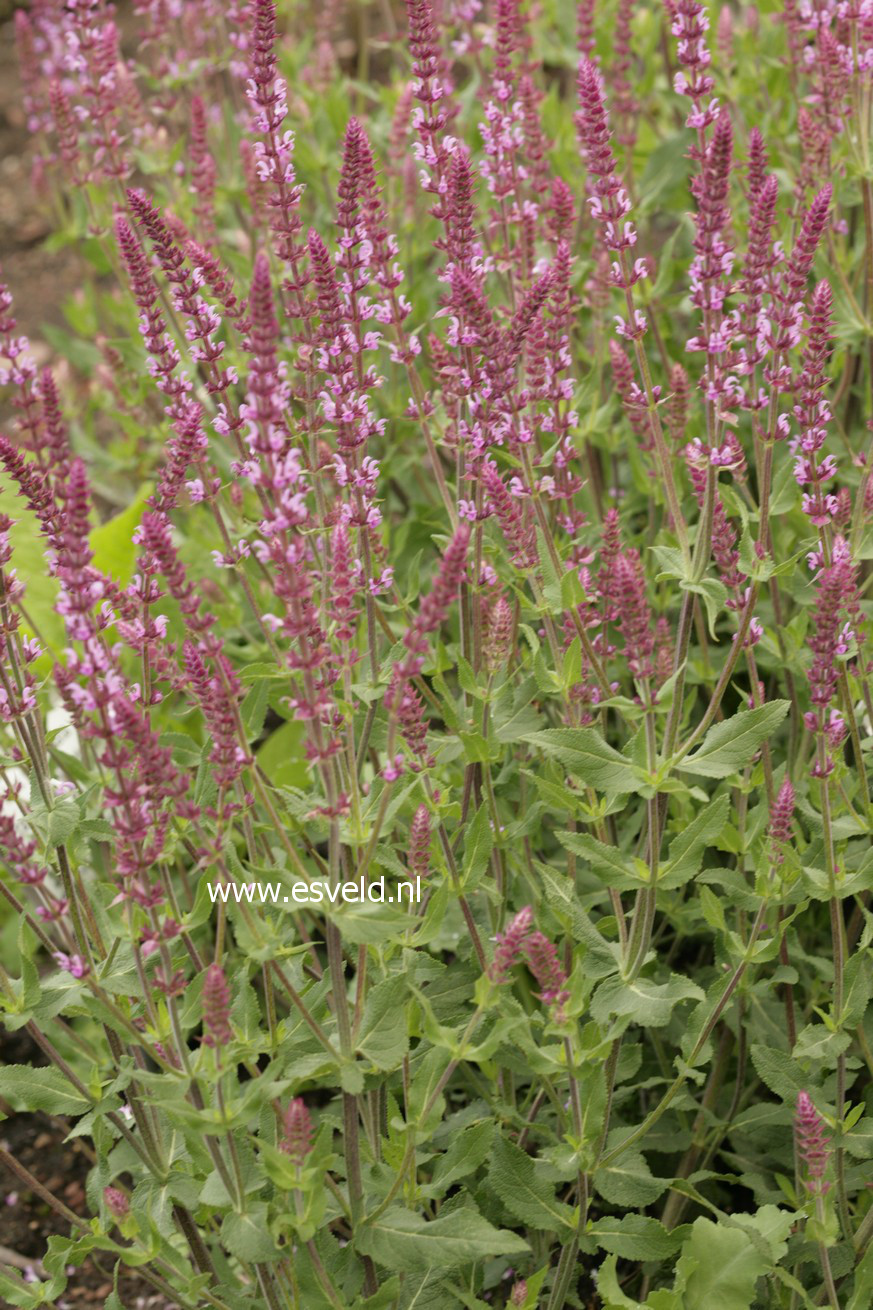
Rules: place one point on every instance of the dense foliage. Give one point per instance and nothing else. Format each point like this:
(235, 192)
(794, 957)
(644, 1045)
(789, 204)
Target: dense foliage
(471, 495)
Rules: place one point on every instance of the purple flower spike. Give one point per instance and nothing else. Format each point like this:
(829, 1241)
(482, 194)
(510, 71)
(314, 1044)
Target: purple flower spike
(509, 945)
(813, 1147)
(217, 1031)
(297, 1141)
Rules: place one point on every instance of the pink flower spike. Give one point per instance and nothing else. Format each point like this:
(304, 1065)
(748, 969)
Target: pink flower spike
(811, 1144)
(509, 945)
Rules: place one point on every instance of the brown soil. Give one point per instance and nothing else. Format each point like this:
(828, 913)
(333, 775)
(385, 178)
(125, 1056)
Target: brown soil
(26, 1222)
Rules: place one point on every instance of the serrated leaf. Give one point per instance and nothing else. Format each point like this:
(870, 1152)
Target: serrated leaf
(383, 1037)
(401, 1239)
(628, 1181)
(779, 1072)
(478, 843)
(40, 1089)
(584, 752)
(683, 860)
(729, 746)
(729, 1265)
(530, 1198)
(465, 1154)
(647, 1003)
(636, 1237)
(612, 866)
(247, 1236)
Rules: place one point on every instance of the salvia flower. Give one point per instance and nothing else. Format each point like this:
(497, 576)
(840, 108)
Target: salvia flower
(498, 634)
(419, 842)
(781, 814)
(517, 529)
(217, 1031)
(510, 944)
(116, 1203)
(542, 960)
(813, 1147)
(634, 616)
(296, 1131)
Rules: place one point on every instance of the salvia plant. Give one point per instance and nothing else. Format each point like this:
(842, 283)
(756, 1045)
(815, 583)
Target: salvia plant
(435, 653)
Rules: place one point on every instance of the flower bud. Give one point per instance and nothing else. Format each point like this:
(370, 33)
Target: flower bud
(297, 1141)
(116, 1203)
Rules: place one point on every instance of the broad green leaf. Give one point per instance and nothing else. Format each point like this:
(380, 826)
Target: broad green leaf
(612, 866)
(647, 1003)
(816, 1042)
(685, 850)
(584, 752)
(729, 1265)
(383, 1038)
(401, 1239)
(779, 1072)
(602, 957)
(247, 1236)
(637, 1237)
(40, 1089)
(714, 594)
(628, 1181)
(465, 1154)
(112, 541)
(729, 746)
(281, 756)
(527, 1196)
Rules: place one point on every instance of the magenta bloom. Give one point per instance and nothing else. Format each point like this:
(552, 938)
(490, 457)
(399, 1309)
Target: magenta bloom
(542, 960)
(813, 1147)
(217, 1031)
(297, 1125)
(116, 1203)
(509, 945)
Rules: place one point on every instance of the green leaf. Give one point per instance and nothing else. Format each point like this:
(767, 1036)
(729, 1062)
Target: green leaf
(247, 1236)
(281, 756)
(685, 850)
(112, 542)
(637, 1237)
(529, 1197)
(729, 746)
(628, 1181)
(779, 1072)
(584, 752)
(612, 866)
(401, 1239)
(40, 1089)
(729, 1265)
(478, 842)
(465, 1154)
(601, 957)
(648, 1003)
(383, 1038)
(862, 1292)
(714, 594)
